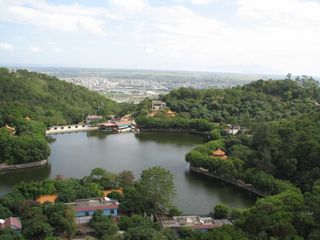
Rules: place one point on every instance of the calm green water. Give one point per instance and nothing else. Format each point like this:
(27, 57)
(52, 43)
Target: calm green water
(75, 154)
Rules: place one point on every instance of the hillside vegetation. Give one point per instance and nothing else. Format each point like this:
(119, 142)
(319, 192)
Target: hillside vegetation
(31, 101)
(257, 101)
(47, 99)
(277, 151)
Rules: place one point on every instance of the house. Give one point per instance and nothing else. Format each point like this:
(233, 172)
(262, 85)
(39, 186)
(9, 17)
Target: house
(90, 119)
(12, 223)
(47, 198)
(116, 126)
(220, 154)
(195, 222)
(108, 126)
(158, 105)
(87, 207)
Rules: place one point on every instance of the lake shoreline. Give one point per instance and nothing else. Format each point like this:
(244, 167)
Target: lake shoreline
(14, 167)
(241, 185)
(135, 152)
(176, 130)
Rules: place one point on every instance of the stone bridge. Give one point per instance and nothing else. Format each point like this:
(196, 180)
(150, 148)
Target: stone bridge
(70, 128)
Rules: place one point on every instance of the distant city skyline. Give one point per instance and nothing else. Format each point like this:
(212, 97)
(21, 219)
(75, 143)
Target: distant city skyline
(243, 36)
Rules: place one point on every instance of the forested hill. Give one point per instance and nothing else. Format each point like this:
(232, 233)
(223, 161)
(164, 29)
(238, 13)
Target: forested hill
(257, 101)
(48, 99)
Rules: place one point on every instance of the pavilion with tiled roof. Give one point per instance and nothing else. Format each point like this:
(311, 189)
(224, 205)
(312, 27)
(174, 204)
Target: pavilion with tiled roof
(220, 154)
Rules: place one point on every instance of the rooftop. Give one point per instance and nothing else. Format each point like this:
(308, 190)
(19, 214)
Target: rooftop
(93, 204)
(94, 117)
(122, 123)
(10, 129)
(218, 152)
(193, 222)
(11, 222)
(157, 102)
(47, 198)
(108, 124)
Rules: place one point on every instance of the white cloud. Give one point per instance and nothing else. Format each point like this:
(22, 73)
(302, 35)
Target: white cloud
(149, 50)
(35, 49)
(131, 6)
(72, 17)
(201, 2)
(6, 46)
(55, 49)
(283, 13)
(272, 39)
(277, 34)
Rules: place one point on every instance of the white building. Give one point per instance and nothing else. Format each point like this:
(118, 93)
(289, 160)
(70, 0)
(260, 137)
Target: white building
(158, 105)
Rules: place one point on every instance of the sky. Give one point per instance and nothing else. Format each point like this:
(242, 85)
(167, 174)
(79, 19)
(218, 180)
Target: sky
(248, 36)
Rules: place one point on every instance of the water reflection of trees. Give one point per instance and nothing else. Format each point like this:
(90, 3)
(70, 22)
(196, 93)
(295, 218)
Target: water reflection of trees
(10, 179)
(178, 139)
(98, 134)
(51, 139)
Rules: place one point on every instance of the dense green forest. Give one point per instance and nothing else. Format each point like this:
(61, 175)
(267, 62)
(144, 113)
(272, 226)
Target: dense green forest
(257, 101)
(28, 144)
(31, 101)
(277, 151)
(49, 100)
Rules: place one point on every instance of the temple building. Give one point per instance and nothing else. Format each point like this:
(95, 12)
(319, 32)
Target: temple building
(11, 130)
(158, 105)
(220, 154)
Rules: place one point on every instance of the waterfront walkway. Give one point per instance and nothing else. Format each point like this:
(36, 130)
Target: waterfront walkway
(5, 167)
(237, 183)
(69, 129)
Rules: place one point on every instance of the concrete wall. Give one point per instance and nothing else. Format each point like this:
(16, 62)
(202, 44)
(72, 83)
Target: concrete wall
(106, 212)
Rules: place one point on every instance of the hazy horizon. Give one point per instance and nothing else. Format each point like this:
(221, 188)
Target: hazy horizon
(233, 36)
(42, 67)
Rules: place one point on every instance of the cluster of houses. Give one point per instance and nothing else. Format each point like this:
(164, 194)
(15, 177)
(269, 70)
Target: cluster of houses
(85, 208)
(114, 125)
(118, 126)
(125, 124)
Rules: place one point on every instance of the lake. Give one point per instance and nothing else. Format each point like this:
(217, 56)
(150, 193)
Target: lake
(75, 154)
